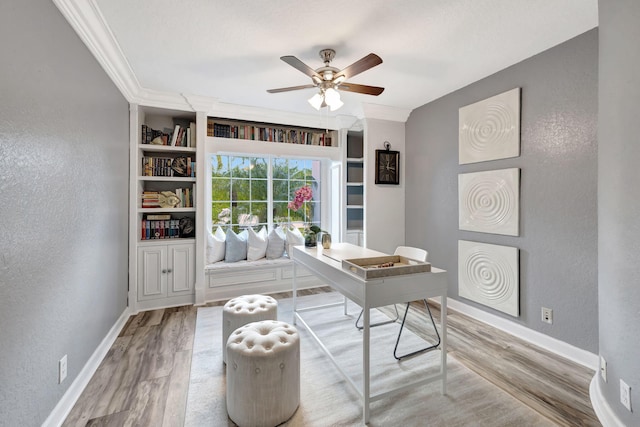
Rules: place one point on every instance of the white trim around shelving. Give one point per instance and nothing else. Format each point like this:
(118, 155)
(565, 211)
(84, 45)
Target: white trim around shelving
(71, 396)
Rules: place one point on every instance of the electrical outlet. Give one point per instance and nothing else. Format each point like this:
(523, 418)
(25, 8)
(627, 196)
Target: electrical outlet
(547, 315)
(625, 394)
(603, 369)
(62, 369)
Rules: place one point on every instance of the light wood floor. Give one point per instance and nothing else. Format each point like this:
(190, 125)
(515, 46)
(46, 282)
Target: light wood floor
(144, 379)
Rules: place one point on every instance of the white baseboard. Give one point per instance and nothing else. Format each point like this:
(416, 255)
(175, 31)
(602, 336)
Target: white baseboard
(71, 396)
(602, 409)
(561, 348)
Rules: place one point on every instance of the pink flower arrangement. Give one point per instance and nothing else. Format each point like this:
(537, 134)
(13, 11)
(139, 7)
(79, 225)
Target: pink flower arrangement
(302, 194)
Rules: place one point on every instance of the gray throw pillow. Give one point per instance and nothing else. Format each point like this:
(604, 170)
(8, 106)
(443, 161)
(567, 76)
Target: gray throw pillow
(275, 244)
(236, 246)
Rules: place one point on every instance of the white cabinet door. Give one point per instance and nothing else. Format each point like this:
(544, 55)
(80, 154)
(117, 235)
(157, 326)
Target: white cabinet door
(152, 272)
(181, 269)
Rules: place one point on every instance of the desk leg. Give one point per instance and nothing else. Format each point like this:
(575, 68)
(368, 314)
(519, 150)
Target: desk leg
(295, 290)
(443, 347)
(366, 394)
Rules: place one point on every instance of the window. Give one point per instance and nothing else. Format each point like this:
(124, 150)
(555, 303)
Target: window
(253, 191)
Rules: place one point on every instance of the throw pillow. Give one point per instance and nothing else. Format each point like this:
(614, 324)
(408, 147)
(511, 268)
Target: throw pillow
(236, 246)
(215, 246)
(294, 238)
(275, 244)
(256, 244)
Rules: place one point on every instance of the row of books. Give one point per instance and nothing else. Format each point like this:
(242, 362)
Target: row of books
(160, 228)
(179, 136)
(167, 166)
(165, 199)
(270, 134)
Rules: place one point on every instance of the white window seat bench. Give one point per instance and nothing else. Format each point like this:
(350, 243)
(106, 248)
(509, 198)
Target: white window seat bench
(225, 280)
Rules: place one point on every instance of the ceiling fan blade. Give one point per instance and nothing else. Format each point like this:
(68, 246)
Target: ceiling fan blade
(359, 66)
(299, 65)
(367, 90)
(286, 89)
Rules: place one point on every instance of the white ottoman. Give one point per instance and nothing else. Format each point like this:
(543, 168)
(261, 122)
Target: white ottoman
(263, 374)
(245, 309)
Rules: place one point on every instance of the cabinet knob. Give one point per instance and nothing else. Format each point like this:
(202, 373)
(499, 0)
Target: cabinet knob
(164, 271)
(169, 271)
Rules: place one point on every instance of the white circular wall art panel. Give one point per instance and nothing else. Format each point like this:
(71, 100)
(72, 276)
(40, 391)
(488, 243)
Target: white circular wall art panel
(489, 274)
(490, 129)
(489, 201)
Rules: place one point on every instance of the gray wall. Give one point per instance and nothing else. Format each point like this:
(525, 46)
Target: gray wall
(558, 204)
(619, 202)
(63, 175)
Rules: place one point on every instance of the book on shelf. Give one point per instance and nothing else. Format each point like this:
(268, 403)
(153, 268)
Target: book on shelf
(151, 229)
(192, 133)
(153, 136)
(151, 199)
(268, 133)
(174, 135)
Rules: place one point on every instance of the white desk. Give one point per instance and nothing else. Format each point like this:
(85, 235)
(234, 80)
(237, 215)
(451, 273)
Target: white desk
(327, 264)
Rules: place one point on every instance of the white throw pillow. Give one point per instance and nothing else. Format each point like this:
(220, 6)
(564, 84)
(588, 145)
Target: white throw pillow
(294, 238)
(215, 246)
(256, 244)
(275, 243)
(236, 246)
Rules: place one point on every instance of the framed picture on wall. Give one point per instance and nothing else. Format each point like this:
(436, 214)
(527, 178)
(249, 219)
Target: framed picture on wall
(387, 167)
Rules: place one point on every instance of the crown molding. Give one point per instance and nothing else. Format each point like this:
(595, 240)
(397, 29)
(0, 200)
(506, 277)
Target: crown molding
(87, 20)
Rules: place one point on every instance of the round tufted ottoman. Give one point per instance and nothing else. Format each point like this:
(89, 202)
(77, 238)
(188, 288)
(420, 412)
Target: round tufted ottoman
(263, 373)
(245, 309)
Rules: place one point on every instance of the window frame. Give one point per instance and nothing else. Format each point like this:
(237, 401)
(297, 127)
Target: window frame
(271, 180)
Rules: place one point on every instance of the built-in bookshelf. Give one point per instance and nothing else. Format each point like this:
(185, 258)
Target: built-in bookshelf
(166, 185)
(355, 187)
(163, 209)
(253, 131)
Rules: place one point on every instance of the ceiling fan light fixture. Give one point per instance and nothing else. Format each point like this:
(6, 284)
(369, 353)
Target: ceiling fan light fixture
(316, 101)
(335, 105)
(332, 98)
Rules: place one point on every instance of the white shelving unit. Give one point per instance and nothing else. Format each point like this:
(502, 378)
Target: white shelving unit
(162, 261)
(355, 210)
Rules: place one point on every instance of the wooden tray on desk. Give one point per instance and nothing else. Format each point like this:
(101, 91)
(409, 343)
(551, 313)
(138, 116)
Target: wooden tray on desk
(370, 268)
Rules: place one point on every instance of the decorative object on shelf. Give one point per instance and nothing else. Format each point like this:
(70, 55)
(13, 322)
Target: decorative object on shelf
(326, 240)
(179, 165)
(168, 199)
(489, 274)
(490, 129)
(489, 201)
(187, 227)
(387, 165)
(329, 79)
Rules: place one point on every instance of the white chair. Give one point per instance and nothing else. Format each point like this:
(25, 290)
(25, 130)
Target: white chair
(418, 255)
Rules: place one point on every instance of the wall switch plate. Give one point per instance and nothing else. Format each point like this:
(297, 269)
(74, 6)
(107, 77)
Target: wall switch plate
(547, 315)
(603, 369)
(625, 394)
(62, 369)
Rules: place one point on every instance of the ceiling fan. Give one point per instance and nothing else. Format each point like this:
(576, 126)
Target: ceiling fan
(329, 79)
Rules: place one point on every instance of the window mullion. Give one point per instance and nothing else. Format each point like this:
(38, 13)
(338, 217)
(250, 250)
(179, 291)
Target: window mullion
(270, 193)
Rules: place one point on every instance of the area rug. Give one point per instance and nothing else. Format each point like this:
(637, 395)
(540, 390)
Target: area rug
(326, 399)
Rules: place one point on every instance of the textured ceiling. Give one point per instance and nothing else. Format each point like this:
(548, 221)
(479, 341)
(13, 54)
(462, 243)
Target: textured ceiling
(230, 50)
